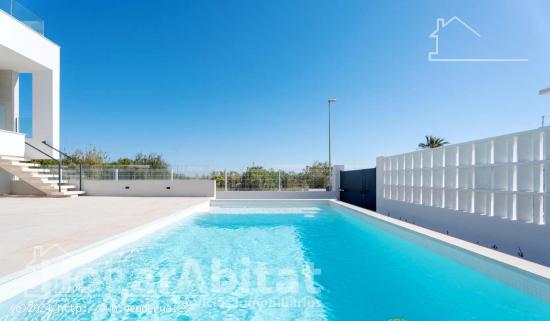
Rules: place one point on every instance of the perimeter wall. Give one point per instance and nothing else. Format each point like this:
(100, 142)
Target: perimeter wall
(491, 191)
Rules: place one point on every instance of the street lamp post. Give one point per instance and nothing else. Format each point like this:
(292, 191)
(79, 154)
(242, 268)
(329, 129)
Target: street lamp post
(330, 102)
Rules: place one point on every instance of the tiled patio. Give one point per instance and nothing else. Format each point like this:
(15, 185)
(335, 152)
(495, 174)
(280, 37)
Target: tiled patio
(72, 223)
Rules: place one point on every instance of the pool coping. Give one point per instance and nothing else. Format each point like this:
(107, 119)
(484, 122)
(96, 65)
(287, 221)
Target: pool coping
(500, 257)
(18, 282)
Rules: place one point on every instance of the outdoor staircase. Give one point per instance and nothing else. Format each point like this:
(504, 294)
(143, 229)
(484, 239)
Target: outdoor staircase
(38, 177)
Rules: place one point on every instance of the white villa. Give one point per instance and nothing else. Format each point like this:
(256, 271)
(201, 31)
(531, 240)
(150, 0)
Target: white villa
(24, 49)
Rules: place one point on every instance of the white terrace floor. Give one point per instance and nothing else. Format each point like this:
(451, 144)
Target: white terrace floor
(72, 223)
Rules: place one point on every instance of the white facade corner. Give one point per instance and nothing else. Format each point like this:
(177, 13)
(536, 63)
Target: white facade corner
(25, 51)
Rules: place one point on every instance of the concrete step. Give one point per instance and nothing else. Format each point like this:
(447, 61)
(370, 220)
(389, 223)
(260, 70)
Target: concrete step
(12, 163)
(39, 177)
(46, 176)
(50, 182)
(12, 158)
(35, 170)
(52, 189)
(20, 163)
(30, 164)
(63, 186)
(67, 193)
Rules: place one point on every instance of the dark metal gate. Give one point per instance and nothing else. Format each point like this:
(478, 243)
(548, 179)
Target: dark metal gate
(358, 187)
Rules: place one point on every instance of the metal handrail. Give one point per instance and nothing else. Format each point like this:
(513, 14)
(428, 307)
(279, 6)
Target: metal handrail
(58, 163)
(71, 158)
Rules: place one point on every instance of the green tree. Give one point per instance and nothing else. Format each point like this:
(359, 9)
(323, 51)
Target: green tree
(152, 160)
(316, 175)
(259, 178)
(155, 161)
(233, 179)
(123, 161)
(90, 157)
(433, 142)
(219, 177)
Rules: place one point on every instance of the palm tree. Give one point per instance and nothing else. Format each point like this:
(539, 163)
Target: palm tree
(433, 142)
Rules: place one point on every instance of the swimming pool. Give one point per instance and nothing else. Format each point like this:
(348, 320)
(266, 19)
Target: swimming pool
(286, 261)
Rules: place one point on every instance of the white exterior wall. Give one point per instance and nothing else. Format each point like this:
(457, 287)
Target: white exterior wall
(335, 179)
(45, 111)
(491, 191)
(12, 144)
(22, 50)
(32, 50)
(178, 188)
(9, 98)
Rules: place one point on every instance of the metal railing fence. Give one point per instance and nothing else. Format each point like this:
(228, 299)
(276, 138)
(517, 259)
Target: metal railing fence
(128, 173)
(271, 180)
(250, 179)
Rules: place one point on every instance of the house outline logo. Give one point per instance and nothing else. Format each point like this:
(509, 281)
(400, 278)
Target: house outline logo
(442, 24)
(43, 256)
(40, 253)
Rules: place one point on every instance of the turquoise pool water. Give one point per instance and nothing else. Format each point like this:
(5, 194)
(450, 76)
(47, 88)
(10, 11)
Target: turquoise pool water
(282, 262)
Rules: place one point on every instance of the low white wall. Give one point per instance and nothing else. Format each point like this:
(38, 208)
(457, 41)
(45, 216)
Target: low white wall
(277, 195)
(12, 144)
(191, 188)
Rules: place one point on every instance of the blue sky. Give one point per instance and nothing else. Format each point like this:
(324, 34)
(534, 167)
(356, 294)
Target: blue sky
(229, 83)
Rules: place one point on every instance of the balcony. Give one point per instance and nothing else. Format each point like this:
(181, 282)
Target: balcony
(23, 14)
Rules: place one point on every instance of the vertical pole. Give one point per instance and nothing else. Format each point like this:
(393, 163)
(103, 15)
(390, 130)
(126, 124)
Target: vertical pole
(431, 178)
(59, 175)
(171, 174)
(443, 169)
(329, 149)
(279, 180)
(515, 167)
(225, 179)
(421, 190)
(473, 184)
(457, 178)
(80, 177)
(542, 209)
(116, 174)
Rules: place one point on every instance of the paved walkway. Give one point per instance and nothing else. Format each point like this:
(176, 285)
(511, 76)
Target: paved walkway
(27, 222)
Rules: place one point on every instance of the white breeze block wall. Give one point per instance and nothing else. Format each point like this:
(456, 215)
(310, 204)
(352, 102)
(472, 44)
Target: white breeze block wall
(498, 178)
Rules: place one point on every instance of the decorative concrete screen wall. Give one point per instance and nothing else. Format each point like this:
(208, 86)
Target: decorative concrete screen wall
(502, 176)
(491, 191)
